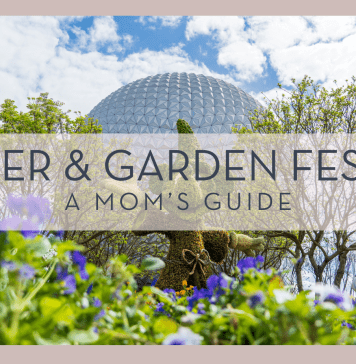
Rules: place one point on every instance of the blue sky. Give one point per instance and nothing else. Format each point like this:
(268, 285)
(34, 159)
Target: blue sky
(80, 60)
(156, 37)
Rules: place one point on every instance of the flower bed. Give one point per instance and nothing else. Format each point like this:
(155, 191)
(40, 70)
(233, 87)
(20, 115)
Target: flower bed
(49, 294)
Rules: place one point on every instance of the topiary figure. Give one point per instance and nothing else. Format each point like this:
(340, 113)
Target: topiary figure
(190, 252)
(246, 244)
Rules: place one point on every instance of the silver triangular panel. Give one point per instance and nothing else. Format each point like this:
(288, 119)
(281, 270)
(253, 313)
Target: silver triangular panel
(153, 105)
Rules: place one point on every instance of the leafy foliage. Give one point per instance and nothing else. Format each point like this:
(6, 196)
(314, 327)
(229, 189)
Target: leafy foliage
(44, 116)
(309, 108)
(63, 299)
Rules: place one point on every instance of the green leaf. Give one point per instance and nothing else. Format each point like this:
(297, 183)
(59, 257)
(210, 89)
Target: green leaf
(57, 309)
(49, 305)
(3, 310)
(65, 246)
(40, 246)
(165, 326)
(83, 336)
(152, 263)
(41, 341)
(4, 280)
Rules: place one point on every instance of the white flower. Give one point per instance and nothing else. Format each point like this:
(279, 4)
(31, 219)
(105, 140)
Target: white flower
(184, 336)
(189, 318)
(283, 295)
(50, 254)
(329, 293)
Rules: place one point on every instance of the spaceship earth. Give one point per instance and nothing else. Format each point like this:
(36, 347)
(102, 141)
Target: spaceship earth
(154, 104)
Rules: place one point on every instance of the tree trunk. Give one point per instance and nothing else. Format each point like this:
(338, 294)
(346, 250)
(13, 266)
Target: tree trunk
(341, 269)
(298, 271)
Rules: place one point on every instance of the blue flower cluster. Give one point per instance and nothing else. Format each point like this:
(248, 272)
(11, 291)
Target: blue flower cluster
(245, 264)
(256, 299)
(215, 288)
(338, 299)
(216, 285)
(68, 280)
(25, 270)
(327, 293)
(28, 214)
(172, 294)
(348, 325)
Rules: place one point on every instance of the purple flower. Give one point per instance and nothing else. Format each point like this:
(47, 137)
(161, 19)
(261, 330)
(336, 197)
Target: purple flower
(338, 299)
(212, 283)
(29, 234)
(171, 293)
(83, 274)
(9, 265)
(70, 284)
(160, 309)
(327, 293)
(347, 325)
(10, 223)
(90, 288)
(184, 336)
(217, 285)
(27, 272)
(28, 228)
(38, 208)
(95, 329)
(81, 261)
(154, 282)
(99, 315)
(245, 264)
(16, 205)
(96, 302)
(197, 295)
(176, 341)
(62, 272)
(201, 307)
(256, 299)
(316, 302)
(59, 234)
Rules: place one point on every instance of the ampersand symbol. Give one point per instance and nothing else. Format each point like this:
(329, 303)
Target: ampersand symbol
(76, 164)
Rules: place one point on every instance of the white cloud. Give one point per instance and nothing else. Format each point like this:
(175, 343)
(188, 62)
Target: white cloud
(37, 54)
(321, 61)
(103, 33)
(25, 50)
(171, 21)
(38, 58)
(265, 97)
(85, 79)
(166, 21)
(225, 26)
(234, 47)
(322, 47)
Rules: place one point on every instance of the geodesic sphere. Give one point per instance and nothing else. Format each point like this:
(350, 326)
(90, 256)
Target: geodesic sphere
(155, 103)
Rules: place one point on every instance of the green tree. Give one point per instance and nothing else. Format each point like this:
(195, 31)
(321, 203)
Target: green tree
(309, 108)
(44, 116)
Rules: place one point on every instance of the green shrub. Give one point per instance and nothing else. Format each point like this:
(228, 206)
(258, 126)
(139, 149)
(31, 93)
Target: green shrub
(59, 298)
